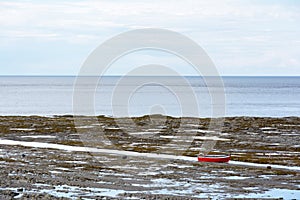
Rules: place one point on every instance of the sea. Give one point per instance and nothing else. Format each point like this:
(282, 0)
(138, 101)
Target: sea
(138, 96)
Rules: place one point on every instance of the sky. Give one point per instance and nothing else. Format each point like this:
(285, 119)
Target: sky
(246, 37)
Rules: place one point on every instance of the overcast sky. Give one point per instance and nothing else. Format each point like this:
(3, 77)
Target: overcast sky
(241, 37)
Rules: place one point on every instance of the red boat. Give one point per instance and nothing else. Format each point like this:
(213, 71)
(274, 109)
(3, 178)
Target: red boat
(214, 158)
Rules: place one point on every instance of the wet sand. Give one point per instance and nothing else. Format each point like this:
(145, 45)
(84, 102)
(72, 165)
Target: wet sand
(46, 157)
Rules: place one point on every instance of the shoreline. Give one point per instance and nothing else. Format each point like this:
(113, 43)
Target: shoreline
(265, 153)
(261, 134)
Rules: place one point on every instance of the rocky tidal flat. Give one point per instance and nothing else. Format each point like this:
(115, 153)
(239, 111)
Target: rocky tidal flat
(63, 157)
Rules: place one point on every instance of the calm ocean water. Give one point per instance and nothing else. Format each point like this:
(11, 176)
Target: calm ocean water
(245, 96)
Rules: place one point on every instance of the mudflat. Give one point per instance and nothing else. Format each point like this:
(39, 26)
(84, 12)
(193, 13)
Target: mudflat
(116, 158)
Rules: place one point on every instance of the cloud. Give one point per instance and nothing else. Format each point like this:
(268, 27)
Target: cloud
(236, 34)
(81, 16)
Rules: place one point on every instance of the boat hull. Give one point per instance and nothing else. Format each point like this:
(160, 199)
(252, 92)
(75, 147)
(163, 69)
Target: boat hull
(214, 158)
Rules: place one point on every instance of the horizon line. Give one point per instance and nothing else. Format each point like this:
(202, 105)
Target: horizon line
(116, 75)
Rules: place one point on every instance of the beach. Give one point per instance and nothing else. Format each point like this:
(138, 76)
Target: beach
(51, 158)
